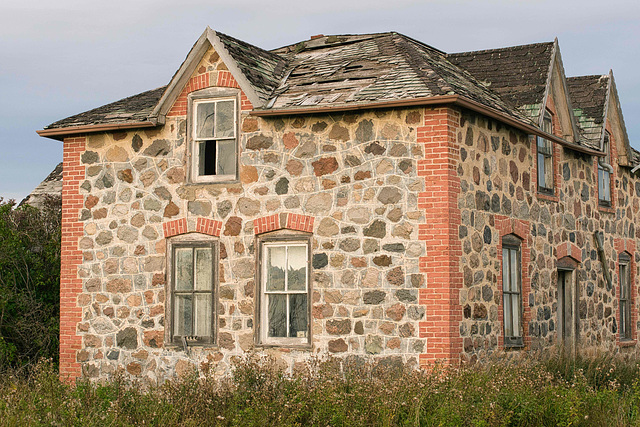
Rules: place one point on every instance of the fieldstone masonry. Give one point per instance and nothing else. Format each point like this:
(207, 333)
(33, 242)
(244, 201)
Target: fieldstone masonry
(406, 208)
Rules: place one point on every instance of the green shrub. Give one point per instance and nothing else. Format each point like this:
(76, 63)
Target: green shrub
(29, 283)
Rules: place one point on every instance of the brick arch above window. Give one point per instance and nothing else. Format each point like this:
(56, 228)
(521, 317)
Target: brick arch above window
(517, 227)
(280, 221)
(570, 250)
(198, 225)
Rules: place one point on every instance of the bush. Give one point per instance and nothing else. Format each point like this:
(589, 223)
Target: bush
(332, 392)
(29, 282)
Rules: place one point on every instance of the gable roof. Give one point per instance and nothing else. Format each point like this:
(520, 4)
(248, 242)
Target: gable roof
(589, 95)
(349, 72)
(518, 73)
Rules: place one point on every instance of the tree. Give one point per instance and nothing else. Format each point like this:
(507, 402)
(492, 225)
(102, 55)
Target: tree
(29, 282)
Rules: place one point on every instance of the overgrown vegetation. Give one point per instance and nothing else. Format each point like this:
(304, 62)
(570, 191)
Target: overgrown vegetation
(29, 282)
(554, 391)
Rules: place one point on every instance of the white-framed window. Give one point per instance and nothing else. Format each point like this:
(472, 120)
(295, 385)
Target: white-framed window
(191, 290)
(545, 157)
(604, 173)
(214, 138)
(512, 291)
(284, 291)
(624, 266)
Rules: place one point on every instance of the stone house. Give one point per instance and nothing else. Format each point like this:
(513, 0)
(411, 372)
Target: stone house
(359, 195)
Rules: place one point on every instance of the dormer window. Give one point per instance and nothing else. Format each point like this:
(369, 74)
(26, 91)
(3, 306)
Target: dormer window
(604, 173)
(214, 140)
(545, 158)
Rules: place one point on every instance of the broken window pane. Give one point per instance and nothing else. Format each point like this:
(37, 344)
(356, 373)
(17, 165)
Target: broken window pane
(184, 269)
(207, 158)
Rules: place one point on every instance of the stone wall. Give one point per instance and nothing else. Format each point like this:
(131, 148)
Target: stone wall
(406, 208)
(499, 196)
(355, 174)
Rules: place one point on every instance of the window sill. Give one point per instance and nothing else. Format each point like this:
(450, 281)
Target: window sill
(214, 184)
(627, 343)
(606, 209)
(548, 197)
(287, 347)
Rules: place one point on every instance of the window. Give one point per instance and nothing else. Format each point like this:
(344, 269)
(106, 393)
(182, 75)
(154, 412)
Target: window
(192, 283)
(214, 142)
(284, 304)
(625, 296)
(545, 158)
(511, 291)
(604, 173)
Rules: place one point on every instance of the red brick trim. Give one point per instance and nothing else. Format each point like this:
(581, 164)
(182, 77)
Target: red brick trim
(568, 249)
(289, 221)
(245, 104)
(521, 229)
(175, 227)
(73, 173)
(226, 79)
(209, 226)
(629, 246)
(181, 226)
(441, 264)
(198, 82)
(300, 222)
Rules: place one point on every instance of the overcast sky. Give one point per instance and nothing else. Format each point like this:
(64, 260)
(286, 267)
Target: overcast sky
(62, 57)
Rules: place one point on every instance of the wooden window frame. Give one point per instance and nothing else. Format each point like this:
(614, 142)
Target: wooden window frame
(270, 240)
(193, 241)
(605, 170)
(548, 188)
(211, 95)
(512, 243)
(625, 301)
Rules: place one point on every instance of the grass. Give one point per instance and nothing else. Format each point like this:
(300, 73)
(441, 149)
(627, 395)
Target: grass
(531, 391)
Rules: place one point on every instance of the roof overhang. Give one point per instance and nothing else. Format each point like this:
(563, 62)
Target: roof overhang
(60, 133)
(433, 100)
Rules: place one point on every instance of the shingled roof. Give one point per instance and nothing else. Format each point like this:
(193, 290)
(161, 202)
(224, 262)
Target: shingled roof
(355, 71)
(350, 70)
(518, 73)
(134, 108)
(262, 68)
(588, 96)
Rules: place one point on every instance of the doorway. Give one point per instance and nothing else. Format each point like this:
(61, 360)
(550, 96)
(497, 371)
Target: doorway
(567, 327)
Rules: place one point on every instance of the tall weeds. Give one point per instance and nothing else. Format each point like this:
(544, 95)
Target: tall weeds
(600, 390)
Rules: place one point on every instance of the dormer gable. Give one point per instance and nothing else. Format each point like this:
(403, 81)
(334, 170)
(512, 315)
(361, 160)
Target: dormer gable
(557, 101)
(256, 71)
(615, 125)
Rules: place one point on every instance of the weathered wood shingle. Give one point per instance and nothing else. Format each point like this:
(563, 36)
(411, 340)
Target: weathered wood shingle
(588, 96)
(518, 73)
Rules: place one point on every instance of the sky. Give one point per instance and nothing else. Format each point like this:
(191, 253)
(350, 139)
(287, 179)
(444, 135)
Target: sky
(63, 57)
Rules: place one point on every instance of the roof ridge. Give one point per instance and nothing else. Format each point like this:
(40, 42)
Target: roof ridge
(275, 56)
(501, 48)
(372, 35)
(589, 75)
